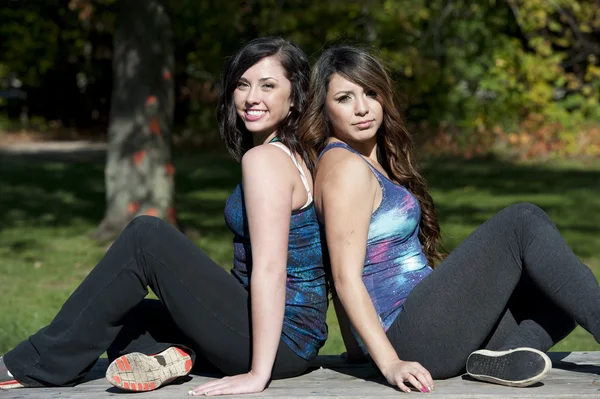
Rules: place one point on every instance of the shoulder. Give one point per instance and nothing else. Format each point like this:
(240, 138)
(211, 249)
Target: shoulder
(265, 157)
(341, 168)
(268, 166)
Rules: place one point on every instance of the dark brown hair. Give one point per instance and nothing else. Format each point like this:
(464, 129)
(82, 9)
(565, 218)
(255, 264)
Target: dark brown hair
(296, 68)
(394, 143)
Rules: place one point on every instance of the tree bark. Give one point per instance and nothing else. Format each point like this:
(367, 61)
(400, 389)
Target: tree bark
(139, 171)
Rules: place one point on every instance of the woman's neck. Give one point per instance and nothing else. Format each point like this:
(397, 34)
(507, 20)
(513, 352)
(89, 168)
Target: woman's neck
(262, 138)
(366, 149)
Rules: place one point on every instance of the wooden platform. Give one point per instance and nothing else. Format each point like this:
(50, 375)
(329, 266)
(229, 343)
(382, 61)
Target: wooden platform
(575, 375)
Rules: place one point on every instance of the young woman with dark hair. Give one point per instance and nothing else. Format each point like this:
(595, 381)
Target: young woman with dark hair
(266, 320)
(502, 298)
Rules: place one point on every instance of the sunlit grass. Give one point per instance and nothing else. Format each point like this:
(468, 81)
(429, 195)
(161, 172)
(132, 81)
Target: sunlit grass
(48, 208)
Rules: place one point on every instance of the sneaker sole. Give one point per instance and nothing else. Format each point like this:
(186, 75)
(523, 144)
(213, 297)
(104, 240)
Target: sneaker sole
(139, 372)
(519, 367)
(10, 385)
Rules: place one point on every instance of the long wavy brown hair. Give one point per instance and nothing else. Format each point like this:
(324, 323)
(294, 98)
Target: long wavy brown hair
(395, 150)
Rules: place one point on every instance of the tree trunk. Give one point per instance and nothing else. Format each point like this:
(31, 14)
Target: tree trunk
(139, 171)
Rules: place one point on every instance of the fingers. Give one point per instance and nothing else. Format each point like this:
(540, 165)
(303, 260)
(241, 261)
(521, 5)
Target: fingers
(424, 378)
(212, 390)
(417, 376)
(403, 387)
(428, 380)
(208, 388)
(416, 383)
(239, 384)
(222, 391)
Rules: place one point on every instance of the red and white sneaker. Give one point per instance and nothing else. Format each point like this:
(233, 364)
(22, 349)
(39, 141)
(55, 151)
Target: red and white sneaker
(7, 381)
(138, 372)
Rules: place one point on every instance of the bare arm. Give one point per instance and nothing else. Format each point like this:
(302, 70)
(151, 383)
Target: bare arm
(268, 198)
(343, 176)
(346, 227)
(354, 353)
(268, 187)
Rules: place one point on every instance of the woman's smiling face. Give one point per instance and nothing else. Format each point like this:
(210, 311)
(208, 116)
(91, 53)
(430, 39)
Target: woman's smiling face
(262, 96)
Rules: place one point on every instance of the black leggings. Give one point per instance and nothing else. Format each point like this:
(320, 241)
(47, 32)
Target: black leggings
(202, 308)
(513, 282)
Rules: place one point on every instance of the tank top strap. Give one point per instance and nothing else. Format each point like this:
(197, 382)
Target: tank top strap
(339, 144)
(280, 145)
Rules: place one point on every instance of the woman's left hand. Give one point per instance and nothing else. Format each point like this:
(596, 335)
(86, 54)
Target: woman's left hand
(234, 385)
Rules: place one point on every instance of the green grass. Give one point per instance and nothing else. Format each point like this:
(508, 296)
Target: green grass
(47, 209)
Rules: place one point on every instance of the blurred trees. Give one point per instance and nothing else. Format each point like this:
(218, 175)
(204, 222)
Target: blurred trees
(62, 62)
(522, 72)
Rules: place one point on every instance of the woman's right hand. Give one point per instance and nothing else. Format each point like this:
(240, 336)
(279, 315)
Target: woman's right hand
(398, 372)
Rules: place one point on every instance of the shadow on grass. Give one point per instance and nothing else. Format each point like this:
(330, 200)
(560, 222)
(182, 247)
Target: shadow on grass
(50, 193)
(467, 193)
(42, 192)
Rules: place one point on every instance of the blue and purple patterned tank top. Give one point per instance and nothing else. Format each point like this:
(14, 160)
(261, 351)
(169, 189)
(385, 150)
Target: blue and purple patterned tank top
(304, 326)
(394, 261)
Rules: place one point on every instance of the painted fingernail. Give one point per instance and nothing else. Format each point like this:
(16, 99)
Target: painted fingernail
(424, 390)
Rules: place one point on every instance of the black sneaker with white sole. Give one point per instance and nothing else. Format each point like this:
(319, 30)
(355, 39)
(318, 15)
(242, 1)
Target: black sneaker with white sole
(518, 367)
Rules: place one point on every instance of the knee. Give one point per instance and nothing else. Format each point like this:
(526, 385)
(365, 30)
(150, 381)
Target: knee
(144, 221)
(522, 213)
(143, 224)
(524, 209)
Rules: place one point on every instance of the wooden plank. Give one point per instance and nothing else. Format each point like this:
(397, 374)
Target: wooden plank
(575, 375)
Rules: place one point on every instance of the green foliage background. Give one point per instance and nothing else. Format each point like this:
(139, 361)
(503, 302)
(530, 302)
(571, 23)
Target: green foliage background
(464, 69)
